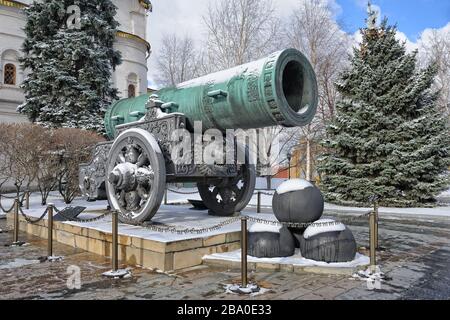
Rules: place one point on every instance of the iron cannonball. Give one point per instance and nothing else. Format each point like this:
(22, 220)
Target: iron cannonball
(298, 201)
(330, 247)
(269, 244)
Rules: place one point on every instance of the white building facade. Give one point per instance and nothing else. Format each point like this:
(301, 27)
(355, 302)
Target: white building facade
(130, 78)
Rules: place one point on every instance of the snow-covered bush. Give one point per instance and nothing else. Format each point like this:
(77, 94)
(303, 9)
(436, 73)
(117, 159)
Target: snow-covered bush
(31, 154)
(74, 147)
(19, 149)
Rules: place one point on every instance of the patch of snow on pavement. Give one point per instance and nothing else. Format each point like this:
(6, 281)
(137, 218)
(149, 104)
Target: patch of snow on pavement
(296, 260)
(373, 278)
(118, 274)
(18, 263)
(251, 289)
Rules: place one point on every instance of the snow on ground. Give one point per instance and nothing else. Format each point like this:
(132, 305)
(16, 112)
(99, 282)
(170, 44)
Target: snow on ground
(438, 211)
(295, 260)
(118, 274)
(374, 278)
(251, 289)
(179, 216)
(266, 202)
(18, 263)
(443, 211)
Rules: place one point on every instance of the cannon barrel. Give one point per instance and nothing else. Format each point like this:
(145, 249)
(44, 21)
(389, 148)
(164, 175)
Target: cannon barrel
(280, 89)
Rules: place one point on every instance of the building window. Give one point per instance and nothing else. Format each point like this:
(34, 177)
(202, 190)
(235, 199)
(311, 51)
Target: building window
(131, 91)
(10, 74)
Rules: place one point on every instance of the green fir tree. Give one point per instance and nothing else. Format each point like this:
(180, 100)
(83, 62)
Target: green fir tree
(69, 82)
(388, 138)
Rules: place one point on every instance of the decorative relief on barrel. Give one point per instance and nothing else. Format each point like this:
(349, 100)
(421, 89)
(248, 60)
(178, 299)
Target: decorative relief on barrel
(253, 88)
(269, 90)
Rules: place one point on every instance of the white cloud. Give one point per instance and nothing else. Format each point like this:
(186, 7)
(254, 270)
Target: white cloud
(376, 8)
(185, 17)
(410, 46)
(427, 34)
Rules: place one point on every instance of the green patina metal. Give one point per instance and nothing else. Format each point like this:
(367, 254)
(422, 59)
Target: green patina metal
(278, 90)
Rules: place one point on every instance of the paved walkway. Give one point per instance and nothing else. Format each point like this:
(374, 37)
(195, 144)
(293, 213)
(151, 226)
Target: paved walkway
(417, 263)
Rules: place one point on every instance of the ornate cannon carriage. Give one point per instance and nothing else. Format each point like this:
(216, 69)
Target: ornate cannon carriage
(132, 170)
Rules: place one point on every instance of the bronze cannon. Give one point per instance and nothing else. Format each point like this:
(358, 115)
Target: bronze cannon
(132, 169)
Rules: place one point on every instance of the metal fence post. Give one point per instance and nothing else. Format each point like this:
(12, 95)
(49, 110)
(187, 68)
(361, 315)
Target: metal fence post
(50, 230)
(165, 197)
(115, 241)
(16, 221)
(258, 207)
(375, 210)
(373, 253)
(244, 241)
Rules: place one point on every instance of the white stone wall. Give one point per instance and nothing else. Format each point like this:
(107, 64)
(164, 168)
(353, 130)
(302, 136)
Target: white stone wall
(133, 69)
(132, 17)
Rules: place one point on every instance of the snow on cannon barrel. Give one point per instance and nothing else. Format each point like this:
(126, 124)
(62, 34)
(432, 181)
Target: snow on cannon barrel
(278, 90)
(134, 167)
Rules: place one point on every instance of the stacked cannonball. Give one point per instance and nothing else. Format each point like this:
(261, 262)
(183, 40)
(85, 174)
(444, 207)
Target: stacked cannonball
(299, 201)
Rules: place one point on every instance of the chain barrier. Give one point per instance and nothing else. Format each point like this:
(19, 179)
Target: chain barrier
(3, 209)
(21, 199)
(195, 192)
(174, 229)
(163, 228)
(30, 219)
(15, 197)
(181, 230)
(264, 193)
(306, 225)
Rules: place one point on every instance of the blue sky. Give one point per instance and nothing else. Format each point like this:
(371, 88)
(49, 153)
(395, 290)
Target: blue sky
(411, 16)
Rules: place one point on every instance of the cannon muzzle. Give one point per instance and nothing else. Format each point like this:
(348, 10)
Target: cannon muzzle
(278, 90)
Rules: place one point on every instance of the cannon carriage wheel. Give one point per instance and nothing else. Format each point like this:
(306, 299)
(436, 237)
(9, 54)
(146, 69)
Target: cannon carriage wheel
(137, 176)
(230, 195)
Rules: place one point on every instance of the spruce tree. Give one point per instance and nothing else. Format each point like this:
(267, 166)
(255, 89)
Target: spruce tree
(69, 81)
(388, 138)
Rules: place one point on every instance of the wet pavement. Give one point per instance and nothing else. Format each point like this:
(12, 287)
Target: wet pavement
(416, 261)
